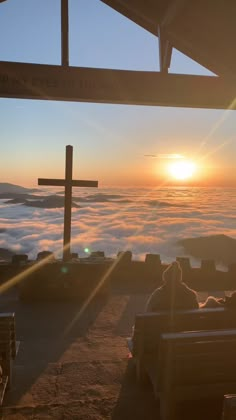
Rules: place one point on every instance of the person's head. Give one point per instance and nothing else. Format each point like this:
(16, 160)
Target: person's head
(172, 274)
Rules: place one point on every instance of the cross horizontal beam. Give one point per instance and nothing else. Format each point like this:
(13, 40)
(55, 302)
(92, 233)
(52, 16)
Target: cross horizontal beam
(62, 182)
(81, 84)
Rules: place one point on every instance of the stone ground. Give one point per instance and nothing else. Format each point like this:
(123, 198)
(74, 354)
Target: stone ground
(72, 366)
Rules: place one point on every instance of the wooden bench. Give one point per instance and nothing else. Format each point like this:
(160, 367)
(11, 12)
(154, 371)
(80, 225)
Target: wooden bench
(229, 407)
(8, 349)
(149, 326)
(193, 366)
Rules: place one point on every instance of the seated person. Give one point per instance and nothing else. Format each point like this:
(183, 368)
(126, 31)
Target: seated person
(227, 302)
(173, 294)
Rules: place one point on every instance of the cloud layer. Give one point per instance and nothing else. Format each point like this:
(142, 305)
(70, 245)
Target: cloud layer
(141, 220)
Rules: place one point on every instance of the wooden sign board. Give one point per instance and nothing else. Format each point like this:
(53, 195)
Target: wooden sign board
(81, 84)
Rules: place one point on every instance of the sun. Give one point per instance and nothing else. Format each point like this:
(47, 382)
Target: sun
(182, 170)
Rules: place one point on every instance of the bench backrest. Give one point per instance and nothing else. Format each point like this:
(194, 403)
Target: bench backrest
(198, 358)
(7, 335)
(149, 326)
(229, 407)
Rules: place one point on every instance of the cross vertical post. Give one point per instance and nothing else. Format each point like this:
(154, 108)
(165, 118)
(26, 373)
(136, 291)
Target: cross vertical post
(68, 202)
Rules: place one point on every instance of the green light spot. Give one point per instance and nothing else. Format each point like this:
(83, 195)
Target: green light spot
(86, 250)
(64, 270)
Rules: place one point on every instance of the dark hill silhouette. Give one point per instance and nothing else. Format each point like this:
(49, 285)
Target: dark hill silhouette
(5, 187)
(18, 196)
(220, 248)
(50, 202)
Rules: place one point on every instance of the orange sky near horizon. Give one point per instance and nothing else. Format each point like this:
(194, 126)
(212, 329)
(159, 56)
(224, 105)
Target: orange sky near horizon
(147, 172)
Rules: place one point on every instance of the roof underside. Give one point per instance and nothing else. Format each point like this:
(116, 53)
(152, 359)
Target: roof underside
(204, 30)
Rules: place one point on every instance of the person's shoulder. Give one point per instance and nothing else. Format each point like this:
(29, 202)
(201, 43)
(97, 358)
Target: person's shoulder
(189, 290)
(156, 293)
(154, 298)
(190, 295)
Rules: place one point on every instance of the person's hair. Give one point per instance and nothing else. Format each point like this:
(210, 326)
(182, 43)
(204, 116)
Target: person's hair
(173, 273)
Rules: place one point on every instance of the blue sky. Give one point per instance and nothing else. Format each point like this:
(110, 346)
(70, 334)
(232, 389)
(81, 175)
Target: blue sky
(109, 141)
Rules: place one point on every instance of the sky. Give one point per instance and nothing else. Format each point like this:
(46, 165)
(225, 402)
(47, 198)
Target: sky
(111, 142)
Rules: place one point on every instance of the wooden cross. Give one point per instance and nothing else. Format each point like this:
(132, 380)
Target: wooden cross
(68, 183)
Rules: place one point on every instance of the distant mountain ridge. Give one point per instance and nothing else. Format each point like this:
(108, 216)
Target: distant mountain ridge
(6, 187)
(44, 202)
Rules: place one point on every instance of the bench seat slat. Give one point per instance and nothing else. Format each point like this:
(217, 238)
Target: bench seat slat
(203, 391)
(204, 375)
(215, 347)
(199, 335)
(8, 347)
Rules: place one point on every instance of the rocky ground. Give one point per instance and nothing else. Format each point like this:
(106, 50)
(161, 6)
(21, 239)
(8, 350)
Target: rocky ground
(77, 366)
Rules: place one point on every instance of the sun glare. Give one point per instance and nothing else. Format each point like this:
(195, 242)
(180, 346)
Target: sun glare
(181, 170)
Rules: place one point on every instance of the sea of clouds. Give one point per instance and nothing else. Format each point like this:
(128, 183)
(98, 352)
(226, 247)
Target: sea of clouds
(111, 220)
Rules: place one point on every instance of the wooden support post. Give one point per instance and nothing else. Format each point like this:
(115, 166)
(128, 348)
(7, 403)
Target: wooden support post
(65, 32)
(165, 51)
(68, 203)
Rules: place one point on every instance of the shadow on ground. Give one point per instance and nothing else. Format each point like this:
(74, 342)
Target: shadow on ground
(45, 331)
(88, 373)
(133, 402)
(135, 304)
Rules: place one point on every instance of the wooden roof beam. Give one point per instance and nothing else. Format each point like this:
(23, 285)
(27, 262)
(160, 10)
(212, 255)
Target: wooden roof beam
(81, 84)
